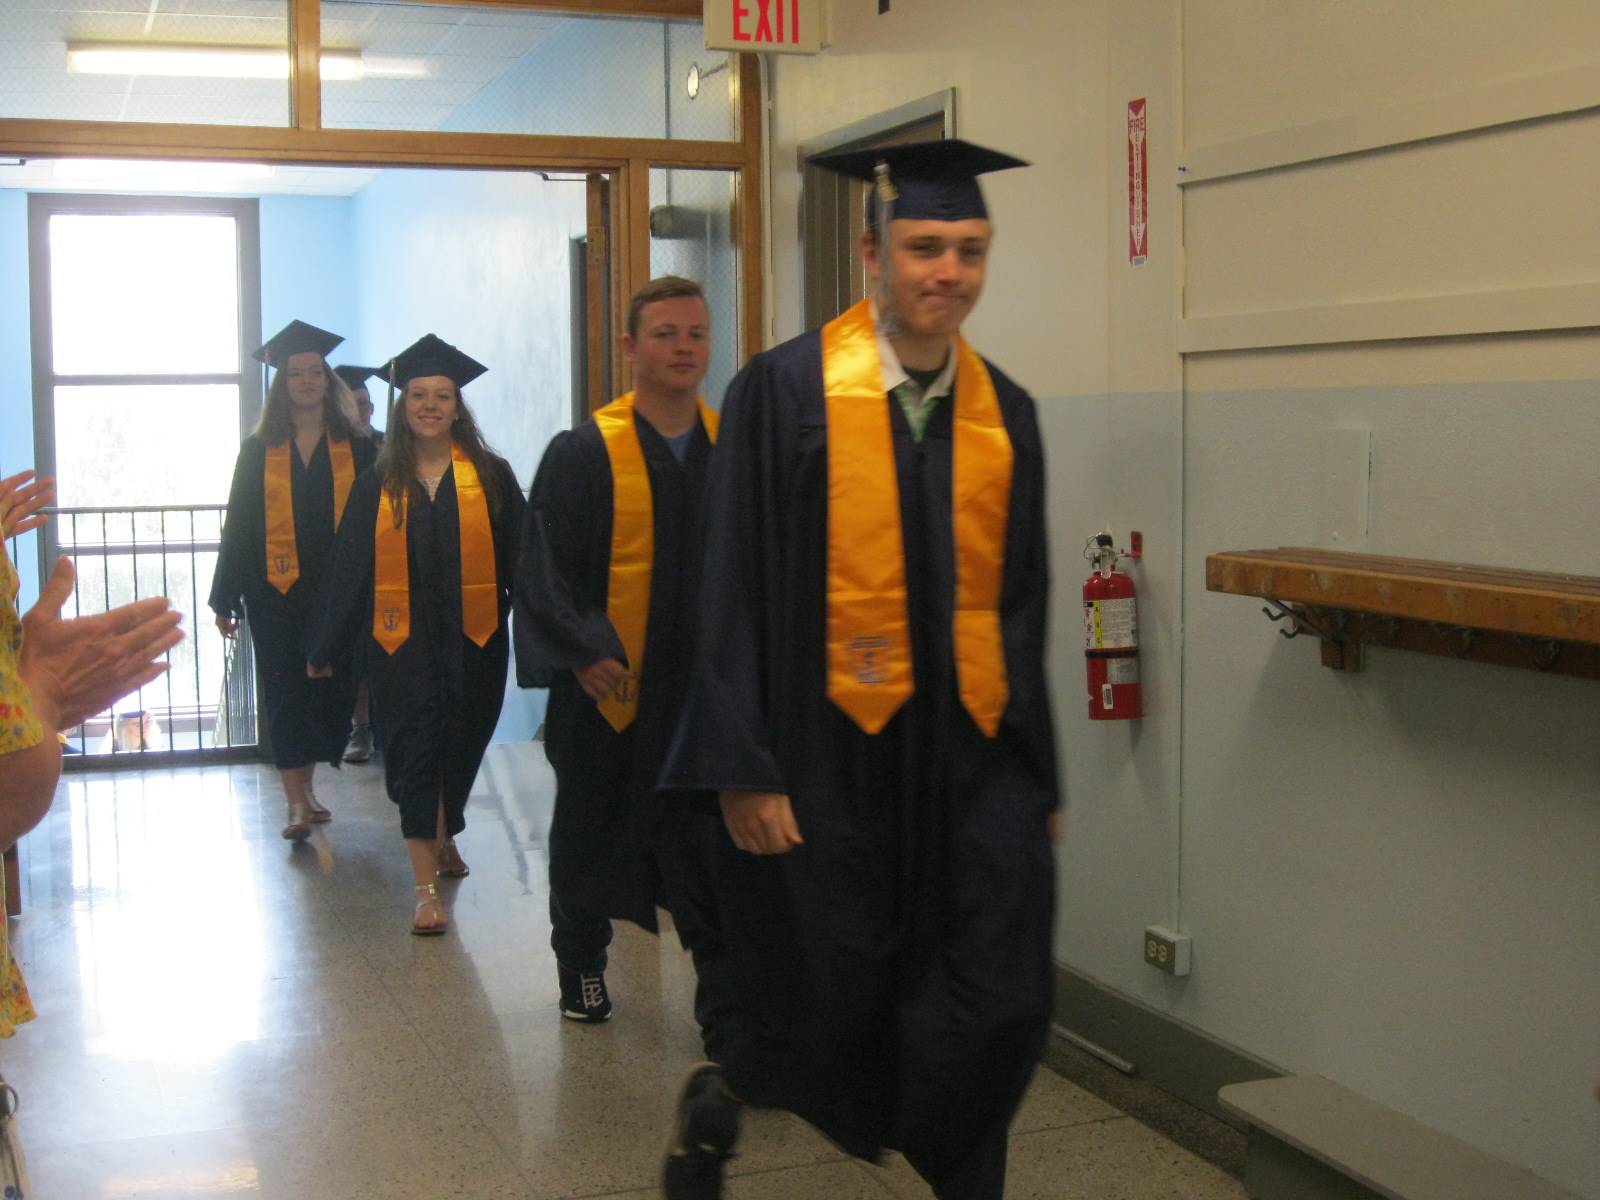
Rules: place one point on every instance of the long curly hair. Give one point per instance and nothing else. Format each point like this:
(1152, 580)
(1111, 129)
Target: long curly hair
(338, 409)
(397, 458)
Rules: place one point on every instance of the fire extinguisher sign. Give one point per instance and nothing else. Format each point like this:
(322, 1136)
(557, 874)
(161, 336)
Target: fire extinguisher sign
(1138, 184)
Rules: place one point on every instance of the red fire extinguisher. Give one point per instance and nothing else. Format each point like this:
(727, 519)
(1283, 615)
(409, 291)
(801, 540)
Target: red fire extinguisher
(1111, 631)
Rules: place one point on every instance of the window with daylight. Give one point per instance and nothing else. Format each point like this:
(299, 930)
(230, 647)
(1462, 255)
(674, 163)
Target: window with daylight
(141, 309)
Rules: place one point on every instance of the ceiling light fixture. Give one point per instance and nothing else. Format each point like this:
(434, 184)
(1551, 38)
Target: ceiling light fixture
(162, 172)
(226, 62)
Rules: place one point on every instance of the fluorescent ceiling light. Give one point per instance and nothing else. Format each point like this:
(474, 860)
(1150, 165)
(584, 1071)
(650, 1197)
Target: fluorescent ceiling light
(226, 62)
(158, 172)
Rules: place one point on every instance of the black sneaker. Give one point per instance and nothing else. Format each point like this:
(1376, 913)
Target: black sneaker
(583, 996)
(703, 1134)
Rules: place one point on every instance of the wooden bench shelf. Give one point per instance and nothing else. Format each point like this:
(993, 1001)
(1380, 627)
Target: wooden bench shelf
(1531, 619)
(1311, 1139)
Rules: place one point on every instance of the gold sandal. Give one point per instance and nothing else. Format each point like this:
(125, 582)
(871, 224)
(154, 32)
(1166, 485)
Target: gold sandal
(318, 814)
(451, 864)
(428, 902)
(299, 827)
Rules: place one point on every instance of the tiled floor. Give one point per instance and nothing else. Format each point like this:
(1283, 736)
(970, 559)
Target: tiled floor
(223, 1014)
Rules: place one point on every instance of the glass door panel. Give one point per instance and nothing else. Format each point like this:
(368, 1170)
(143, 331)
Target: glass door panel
(461, 69)
(212, 62)
(693, 233)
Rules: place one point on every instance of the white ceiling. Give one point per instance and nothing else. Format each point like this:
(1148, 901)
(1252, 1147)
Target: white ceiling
(464, 50)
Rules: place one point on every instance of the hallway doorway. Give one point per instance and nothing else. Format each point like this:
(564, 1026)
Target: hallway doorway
(147, 308)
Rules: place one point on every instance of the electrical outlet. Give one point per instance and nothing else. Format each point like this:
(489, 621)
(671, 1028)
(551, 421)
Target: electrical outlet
(1165, 950)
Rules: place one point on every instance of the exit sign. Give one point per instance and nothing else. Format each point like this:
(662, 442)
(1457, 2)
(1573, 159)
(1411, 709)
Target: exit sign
(764, 26)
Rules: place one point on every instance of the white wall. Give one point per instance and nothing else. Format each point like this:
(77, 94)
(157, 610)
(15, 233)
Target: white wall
(1384, 872)
(1390, 877)
(16, 373)
(308, 269)
(479, 258)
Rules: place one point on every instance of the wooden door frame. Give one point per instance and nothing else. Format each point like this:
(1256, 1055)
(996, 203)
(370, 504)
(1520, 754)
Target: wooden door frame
(304, 141)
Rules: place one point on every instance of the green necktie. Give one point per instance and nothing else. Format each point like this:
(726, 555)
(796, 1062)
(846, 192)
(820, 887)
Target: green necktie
(914, 404)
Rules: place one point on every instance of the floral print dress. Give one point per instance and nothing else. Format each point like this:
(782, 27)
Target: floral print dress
(19, 730)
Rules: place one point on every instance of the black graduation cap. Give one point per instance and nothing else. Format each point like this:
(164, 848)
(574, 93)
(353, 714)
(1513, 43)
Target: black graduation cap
(296, 338)
(429, 355)
(356, 377)
(930, 181)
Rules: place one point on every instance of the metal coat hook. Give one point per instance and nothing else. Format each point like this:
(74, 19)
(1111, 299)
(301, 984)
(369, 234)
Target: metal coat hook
(1461, 632)
(1329, 627)
(1543, 653)
(1306, 621)
(1284, 614)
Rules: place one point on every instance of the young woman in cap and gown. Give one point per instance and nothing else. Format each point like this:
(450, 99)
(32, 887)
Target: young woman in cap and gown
(360, 748)
(423, 572)
(291, 484)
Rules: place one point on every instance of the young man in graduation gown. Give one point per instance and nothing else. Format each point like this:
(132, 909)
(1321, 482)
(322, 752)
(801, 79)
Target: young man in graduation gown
(422, 575)
(869, 700)
(291, 483)
(355, 378)
(604, 593)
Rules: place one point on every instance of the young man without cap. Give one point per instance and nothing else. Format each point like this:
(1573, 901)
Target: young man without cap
(604, 594)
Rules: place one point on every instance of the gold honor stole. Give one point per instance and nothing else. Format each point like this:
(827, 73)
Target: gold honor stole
(391, 580)
(283, 560)
(633, 535)
(869, 639)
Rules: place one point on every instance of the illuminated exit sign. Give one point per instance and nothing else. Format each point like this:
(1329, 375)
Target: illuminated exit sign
(770, 26)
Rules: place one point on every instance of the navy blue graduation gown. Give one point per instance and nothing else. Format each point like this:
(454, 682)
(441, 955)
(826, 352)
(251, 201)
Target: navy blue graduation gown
(603, 837)
(890, 979)
(439, 693)
(308, 720)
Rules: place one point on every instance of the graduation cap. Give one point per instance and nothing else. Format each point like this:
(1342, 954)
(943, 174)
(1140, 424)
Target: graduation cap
(296, 338)
(356, 377)
(429, 355)
(923, 181)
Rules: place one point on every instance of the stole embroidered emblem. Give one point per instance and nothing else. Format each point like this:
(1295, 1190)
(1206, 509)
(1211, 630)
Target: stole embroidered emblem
(283, 557)
(391, 578)
(870, 673)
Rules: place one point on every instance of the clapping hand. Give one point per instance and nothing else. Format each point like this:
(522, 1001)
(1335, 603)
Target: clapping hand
(21, 497)
(78, 666)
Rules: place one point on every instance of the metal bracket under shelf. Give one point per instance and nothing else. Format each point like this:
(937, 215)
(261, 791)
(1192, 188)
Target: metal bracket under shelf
(1343, 632)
